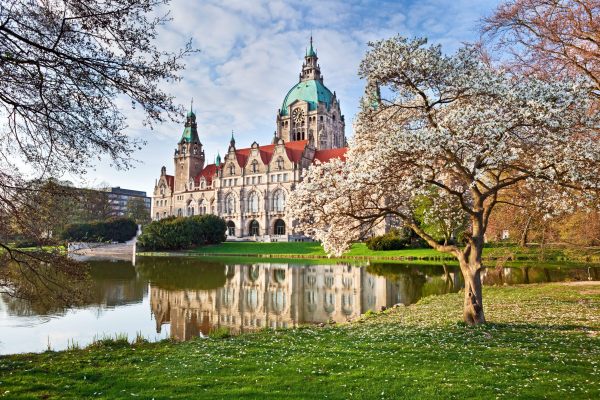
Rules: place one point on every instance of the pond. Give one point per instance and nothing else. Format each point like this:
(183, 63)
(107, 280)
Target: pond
(182, 298)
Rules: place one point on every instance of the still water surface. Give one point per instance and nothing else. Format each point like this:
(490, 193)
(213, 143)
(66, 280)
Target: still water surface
(182, 298)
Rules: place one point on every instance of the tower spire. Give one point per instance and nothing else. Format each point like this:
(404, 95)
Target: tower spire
(310, 68)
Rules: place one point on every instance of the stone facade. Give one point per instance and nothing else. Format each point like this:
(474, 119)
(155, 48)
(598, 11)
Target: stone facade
(249, 186)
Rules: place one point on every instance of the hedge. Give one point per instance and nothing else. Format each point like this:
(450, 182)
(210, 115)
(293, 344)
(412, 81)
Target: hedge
(113, 230)
(177, 233)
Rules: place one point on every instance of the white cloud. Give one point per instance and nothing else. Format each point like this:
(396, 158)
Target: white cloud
(251, 54)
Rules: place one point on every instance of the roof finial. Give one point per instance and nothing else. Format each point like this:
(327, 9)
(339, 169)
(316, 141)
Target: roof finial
(311, 51)
(232, 142)
(192, 105)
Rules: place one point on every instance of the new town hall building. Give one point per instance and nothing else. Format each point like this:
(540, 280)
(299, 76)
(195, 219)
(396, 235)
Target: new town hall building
(249, 187)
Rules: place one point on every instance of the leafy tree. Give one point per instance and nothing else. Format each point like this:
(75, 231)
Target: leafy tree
(93, 205)
(137, 210)
(455, 123)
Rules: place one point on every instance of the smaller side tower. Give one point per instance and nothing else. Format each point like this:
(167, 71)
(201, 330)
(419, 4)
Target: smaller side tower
(189, 155)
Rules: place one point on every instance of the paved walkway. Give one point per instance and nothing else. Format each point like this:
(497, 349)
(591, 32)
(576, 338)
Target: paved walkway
(117, 251)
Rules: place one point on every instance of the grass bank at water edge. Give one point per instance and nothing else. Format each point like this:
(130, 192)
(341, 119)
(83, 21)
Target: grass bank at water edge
(543, 342)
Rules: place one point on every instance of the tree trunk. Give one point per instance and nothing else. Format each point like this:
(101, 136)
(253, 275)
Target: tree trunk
(525, 233)
(473, 303)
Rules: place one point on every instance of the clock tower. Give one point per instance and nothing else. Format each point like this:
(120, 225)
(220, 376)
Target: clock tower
(310, 111)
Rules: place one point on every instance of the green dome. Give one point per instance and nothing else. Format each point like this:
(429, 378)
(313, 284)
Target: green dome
(313, 92)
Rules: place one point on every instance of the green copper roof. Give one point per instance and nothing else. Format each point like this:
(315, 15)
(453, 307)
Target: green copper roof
(188, 134)
(218, 160)
(311, 52)
(313, 92)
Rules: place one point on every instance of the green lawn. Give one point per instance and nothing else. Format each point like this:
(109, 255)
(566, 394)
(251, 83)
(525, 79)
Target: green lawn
(543, 343)
(307, 249)
(359, 250)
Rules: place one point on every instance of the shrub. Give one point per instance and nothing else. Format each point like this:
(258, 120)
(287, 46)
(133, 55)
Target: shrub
(113, 230)
(182, 233)
(393, 240)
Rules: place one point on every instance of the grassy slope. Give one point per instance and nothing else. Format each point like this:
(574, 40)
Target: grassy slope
(544, 343)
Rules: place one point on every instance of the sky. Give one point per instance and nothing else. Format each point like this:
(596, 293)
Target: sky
(250, 55)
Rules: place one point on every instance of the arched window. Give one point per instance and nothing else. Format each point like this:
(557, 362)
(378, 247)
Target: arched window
(157, 216)
(229, 204)
(228, 296)
(252, 298)
(279, 275)
(253, 202)
(231, 169)
(254, 228)
(253, 272)
(280, 163)
(202, 207)
(254, 167)
(279, 227)
(191, 184)
(278, 300)
(278, 200)
(179, 212)
(329, 302)
(230, 228)
(202, 183)
(190, 211)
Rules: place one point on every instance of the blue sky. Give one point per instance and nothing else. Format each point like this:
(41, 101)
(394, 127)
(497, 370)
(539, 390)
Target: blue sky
(251, 52)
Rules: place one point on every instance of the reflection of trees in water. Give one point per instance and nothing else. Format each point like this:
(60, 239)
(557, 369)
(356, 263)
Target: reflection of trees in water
(525, 274)
(41, 281)
(111, 283)
(182, 272)
(408, 280)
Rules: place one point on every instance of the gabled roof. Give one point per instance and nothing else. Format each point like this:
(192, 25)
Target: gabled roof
(207, 173)
(293, 150)
(326, 155)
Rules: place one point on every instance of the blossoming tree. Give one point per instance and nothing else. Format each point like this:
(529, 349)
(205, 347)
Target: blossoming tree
(455, 124)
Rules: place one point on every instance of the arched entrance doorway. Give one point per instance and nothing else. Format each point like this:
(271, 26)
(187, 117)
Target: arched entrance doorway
(253, 228)
(230, 228)
(279, 227)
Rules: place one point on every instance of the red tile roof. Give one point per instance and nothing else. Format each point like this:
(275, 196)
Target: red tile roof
(326, 155)
(208, 173)
(293, 149)
(170, 181)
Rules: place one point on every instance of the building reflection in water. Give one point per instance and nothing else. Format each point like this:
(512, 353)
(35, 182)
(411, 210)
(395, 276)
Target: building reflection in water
(280, 296)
